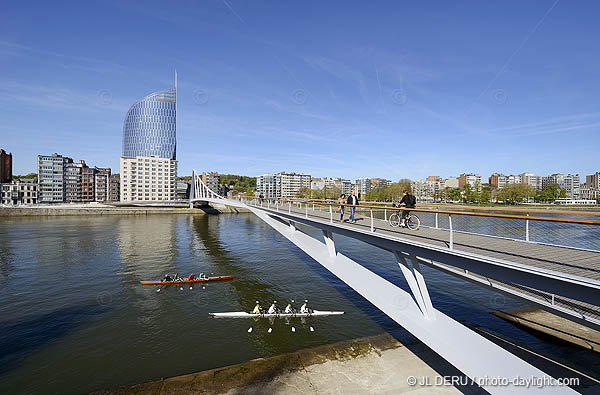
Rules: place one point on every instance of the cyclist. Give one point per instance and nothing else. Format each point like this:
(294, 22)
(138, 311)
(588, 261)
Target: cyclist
(409, 201)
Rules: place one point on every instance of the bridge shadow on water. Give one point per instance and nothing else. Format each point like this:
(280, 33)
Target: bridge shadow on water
(18, 339)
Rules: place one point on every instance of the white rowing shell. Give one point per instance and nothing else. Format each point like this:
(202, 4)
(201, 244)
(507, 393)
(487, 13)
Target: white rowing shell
(242, 314)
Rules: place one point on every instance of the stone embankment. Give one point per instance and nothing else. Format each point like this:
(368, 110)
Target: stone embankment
(378, 364)
(58, 211)
(111, 210)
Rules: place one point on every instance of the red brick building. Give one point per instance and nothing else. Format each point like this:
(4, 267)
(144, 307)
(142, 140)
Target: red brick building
(5, 166)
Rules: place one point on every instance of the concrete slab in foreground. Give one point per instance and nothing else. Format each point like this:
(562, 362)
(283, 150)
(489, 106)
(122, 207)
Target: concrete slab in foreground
(373, 365)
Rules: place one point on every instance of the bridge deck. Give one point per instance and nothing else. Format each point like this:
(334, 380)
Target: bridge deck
(573, 261)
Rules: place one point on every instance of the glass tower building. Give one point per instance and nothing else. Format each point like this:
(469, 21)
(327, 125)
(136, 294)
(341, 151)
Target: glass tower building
(150, 126)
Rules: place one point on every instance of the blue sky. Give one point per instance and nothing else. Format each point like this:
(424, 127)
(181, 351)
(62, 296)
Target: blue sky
(343, 89)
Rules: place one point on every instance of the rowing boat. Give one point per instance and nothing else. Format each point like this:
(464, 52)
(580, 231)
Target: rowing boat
(198, 280)
(242, 314)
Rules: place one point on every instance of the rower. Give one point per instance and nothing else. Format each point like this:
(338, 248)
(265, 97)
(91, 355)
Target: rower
(257, 308)
(289, 309)
(304, 309)
(273, 308)
(176, 277)
(167, 277)
(191, 277)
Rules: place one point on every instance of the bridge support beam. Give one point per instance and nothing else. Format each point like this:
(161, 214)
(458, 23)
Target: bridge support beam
(416, 283)
(330, 243)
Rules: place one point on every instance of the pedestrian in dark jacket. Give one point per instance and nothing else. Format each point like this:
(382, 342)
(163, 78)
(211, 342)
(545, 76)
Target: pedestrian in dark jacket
(409, 201)
(352, 201)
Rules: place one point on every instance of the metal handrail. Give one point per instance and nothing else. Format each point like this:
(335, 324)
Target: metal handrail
(450, 212)
(479, 208)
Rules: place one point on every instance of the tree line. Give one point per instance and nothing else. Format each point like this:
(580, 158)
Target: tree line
(510, 194)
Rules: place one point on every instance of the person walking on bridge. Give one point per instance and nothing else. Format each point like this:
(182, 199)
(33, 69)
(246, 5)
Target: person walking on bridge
(341, 202)
(353, 202)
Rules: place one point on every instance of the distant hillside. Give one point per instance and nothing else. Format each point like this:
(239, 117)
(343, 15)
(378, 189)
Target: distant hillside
(238, 183)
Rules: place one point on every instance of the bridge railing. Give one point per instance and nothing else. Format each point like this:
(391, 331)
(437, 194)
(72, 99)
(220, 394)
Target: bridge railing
(555, 227)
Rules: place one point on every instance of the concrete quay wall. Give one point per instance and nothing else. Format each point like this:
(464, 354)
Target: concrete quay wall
(56, 211)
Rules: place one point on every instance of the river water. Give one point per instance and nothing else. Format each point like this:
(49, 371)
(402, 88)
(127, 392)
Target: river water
(74, 318)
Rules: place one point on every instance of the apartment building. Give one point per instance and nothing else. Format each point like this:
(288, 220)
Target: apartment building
(212, 180)
(362, 187)
(102, 185)
(593, 181)
(569, 182)
(73, 173)
(451, 182)
(588, 193)
(19, 191)
(469, 178)
(148, 179)
(292, 182)
(268, 186)
(281, 185)
(51, 178)
(345, 186)
(531, 180)
(497, 180)
(379, 182)
(114, 188)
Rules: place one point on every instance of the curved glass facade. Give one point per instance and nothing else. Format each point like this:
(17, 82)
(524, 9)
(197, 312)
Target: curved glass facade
(150, 126)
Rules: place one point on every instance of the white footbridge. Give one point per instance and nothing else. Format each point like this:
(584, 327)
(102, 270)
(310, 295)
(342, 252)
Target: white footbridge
(574, 294)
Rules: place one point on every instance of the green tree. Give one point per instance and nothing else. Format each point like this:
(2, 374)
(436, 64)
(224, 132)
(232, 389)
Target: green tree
(515, 193)
(238, 183)
(30, 175)
(454, 194)
(303, 193)
(485, 195)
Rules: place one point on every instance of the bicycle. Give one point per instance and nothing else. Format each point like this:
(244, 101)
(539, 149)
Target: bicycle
(412, 221)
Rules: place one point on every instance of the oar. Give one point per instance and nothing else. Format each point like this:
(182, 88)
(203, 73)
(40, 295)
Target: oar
(312, 329)
(250, 330)
(270, 330)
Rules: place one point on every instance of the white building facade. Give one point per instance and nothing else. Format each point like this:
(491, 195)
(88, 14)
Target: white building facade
(19, 191)
(148, 179)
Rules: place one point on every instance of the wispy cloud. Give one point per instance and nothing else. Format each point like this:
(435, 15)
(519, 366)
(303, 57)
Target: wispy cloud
(8, 48)
(562, 124)
(60, 97)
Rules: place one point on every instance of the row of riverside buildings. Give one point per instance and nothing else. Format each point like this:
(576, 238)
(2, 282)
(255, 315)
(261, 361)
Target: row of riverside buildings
(287, 185)
(148, 165)
(59, 180)
(576, 191)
